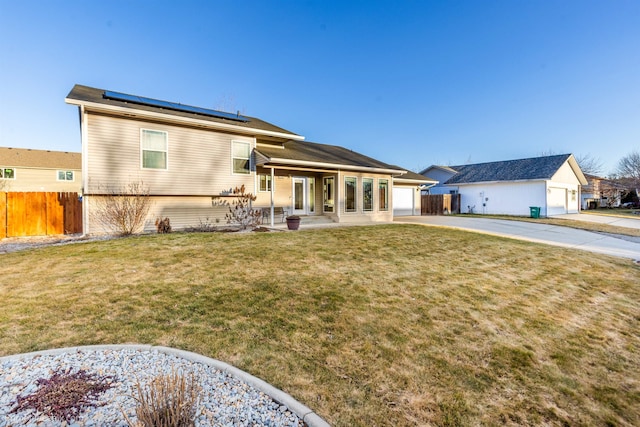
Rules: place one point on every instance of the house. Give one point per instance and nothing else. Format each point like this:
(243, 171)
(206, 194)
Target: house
(27, 170)
(511, 187)
(601, 193)
(190, 158)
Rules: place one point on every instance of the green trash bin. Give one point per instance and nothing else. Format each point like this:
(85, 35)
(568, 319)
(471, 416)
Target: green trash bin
(535, 211)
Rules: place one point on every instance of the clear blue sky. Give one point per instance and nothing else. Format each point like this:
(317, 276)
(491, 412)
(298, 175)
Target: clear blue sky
(411, 83)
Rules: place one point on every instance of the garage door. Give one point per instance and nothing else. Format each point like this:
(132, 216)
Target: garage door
(557, 201)
(402, 201)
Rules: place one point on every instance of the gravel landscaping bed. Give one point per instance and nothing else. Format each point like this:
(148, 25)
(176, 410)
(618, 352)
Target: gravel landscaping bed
(223, 401)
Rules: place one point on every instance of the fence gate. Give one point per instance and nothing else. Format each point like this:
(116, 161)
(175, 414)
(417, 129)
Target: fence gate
(39, 214)
(440, 204)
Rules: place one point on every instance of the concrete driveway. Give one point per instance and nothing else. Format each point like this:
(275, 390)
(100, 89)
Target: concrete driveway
(541, 233)
(619, 221)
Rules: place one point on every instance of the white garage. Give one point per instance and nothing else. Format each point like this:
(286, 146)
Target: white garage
(403, 201)
(513, 187)
(556, 201)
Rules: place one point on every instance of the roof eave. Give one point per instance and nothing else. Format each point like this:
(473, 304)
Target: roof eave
(576, 169)
(96, 106)
(331, 166)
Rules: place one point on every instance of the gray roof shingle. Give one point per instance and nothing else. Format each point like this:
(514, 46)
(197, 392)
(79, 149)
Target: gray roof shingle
(320, 153)
(509, 170)
(28, 158)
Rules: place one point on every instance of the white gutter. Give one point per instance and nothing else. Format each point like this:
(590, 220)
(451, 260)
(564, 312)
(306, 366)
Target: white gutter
(333, 166)
(171, 117)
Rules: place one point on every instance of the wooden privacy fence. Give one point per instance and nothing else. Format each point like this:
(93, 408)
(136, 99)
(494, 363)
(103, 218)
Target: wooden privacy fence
(440, 204)
(39, 214)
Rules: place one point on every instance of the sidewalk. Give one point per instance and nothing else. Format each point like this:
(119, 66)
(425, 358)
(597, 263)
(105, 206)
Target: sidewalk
(618, 221)
(540, 233)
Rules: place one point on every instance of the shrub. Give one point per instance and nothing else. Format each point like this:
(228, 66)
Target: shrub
(169, 401)
(65, 395)
(123, 210)
(240, 210)
(163, 225)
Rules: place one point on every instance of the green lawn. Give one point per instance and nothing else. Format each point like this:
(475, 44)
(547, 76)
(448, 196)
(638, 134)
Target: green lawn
(390, 325)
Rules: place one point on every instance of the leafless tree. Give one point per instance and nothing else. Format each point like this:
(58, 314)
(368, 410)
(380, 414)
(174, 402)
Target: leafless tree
(124, 209)
(589, 164)
(629, 169)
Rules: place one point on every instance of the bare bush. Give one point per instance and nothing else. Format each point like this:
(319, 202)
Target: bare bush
(65, 395)
(123, 210)
(240, 210)
(169, 401)
(163, 226)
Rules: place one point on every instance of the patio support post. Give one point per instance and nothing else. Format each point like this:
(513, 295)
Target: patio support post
(272, 195)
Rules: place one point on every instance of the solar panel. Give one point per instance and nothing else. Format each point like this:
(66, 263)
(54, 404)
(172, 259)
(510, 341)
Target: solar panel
(172, 106)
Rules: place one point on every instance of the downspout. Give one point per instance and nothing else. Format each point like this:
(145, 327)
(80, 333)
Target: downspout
(272, 194)
(85, 169)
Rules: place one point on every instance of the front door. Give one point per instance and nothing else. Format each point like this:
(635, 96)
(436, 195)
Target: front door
(300, 203)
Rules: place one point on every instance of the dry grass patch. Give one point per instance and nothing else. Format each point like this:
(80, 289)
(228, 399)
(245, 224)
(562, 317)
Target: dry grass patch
(382, 325)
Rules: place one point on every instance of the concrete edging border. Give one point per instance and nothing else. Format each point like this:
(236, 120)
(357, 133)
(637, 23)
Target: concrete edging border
(304, 412)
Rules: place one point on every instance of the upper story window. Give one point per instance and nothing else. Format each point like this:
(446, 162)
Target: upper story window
(265, 182)
(65, 175)
(241, 157)
(7, 173)
(154, 145)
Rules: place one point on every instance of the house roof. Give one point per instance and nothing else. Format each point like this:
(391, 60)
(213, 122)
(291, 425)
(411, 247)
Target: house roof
(94, 99)
(28, 158)
(441, 167)
(311, 154)
(412, 177)
(535, 168)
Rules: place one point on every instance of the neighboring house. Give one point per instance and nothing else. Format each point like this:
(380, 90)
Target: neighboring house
(190, 159)
(27, 170)
(441, 174)
(511, 187)
(601, 193)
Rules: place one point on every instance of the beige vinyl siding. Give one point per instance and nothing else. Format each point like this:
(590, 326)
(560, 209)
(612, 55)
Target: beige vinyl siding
(360, 215)
(183, 212)
(199, 161)
(34, 179)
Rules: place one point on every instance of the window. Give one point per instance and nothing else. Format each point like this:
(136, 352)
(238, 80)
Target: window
(65, 175)
(383, 192)
(312, 194)
(367, 194)
(241, 155)
(265, 182)
(7, 173)
(328, 193)
(154, 146)
(350, 193)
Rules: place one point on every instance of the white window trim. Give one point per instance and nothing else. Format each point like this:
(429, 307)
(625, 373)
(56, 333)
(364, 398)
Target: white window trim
(355, 196)
(333, 198)
(14, 173)
(233, 172)
(142, 150)
(386, 209)
(373, 194)
(268, 180)
(73, 176)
